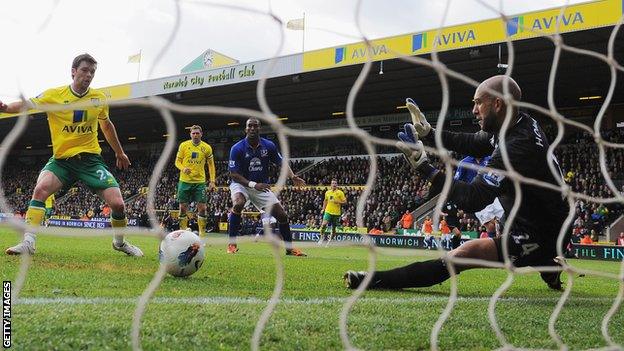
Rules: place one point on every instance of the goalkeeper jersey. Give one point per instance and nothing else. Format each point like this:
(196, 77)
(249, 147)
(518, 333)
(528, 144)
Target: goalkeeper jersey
(73, 131)
(542, 211)
(195, 157)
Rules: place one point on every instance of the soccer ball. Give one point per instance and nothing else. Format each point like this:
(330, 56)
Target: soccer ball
(182, 252)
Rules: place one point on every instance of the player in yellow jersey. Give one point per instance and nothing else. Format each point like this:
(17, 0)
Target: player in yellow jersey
(191, 160)
(332, 209)
(76, 151)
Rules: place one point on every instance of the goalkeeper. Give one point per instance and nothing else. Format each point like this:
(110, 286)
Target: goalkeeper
(533, 233)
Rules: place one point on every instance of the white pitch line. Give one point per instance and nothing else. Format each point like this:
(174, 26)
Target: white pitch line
(224, 300)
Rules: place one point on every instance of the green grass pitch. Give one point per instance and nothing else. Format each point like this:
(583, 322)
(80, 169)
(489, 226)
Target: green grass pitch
(80, 294)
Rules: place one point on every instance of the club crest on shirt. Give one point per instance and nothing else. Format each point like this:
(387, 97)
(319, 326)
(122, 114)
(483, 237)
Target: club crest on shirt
(264, 152)
(493, 179)
(95, 102)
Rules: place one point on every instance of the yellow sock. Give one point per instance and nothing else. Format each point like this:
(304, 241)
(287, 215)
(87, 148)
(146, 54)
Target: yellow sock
(119, 223)
(34, 215)
(183, 222)
(201, 223)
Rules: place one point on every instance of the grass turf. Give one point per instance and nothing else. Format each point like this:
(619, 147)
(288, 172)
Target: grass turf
(80, 294)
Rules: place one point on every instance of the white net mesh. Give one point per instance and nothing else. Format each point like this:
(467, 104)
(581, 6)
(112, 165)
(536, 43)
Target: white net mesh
(166, 108)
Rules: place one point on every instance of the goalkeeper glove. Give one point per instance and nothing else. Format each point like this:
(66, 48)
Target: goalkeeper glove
(419, 121)
(414, 151)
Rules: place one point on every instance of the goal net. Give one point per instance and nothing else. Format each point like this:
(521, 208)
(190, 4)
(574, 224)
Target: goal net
(373, 53)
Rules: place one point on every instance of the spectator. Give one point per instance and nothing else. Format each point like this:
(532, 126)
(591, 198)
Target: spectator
(620, 240)
(427, 227)
(407, 220)
(586, 240)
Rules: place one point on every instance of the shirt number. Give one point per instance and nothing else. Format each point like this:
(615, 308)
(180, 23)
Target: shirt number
(103, 174)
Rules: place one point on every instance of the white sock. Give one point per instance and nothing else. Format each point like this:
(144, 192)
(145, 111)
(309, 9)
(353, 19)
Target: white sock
(118, 240)
(30, 238)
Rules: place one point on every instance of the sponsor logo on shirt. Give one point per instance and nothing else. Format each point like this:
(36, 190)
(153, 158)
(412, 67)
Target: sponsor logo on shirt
(255, 165)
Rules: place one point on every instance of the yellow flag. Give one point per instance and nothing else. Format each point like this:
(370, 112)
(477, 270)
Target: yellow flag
(134, 58)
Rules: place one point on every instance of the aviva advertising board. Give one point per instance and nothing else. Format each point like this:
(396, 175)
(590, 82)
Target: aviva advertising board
(578, 17)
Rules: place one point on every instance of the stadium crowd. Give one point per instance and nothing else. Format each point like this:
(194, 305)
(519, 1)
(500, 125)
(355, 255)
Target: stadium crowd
(396, 188)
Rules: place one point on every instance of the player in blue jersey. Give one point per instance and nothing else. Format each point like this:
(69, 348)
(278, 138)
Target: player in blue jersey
(249, 174)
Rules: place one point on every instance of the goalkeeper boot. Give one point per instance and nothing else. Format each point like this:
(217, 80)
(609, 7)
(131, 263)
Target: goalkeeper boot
(128, 249)
(25, 247)
(232, 248)
(295, 252)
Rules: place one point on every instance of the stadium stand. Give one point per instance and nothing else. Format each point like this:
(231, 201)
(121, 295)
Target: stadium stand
(395, 190)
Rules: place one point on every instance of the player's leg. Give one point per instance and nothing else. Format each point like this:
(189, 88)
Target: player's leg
(322, 235)
(199, 196)
(47, 183)
(182, 215)
(239, 198)
(201, 218)
(112, 196)
(334, 223)
(184, 198)
(92, 171)
(284, 226)
(426, 273)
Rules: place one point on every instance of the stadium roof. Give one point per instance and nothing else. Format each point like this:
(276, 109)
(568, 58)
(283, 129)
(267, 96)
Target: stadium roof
(313, 85)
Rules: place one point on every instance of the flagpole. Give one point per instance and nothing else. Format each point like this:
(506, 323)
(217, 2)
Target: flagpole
(140, 59)
(303, 41)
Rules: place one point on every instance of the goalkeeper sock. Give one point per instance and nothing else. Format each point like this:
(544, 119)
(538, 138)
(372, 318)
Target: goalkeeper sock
(34, 217)
(201, 223)
(415, 275)
(183, 221)
(284, 229)
(118, 220)
(234, 221)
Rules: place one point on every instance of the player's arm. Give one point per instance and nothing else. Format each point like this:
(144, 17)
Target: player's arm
(298, 181)
(277, 159)
(212, 171)
(15, 107)
(473, 144)
(180, 159)
(238, 178)
(110, 134)
(343, 199)
(471, 197)
(325, 201)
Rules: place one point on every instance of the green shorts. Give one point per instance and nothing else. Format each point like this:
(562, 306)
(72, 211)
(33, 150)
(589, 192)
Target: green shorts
(189, 192)
(334, 220)
(89, 168)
